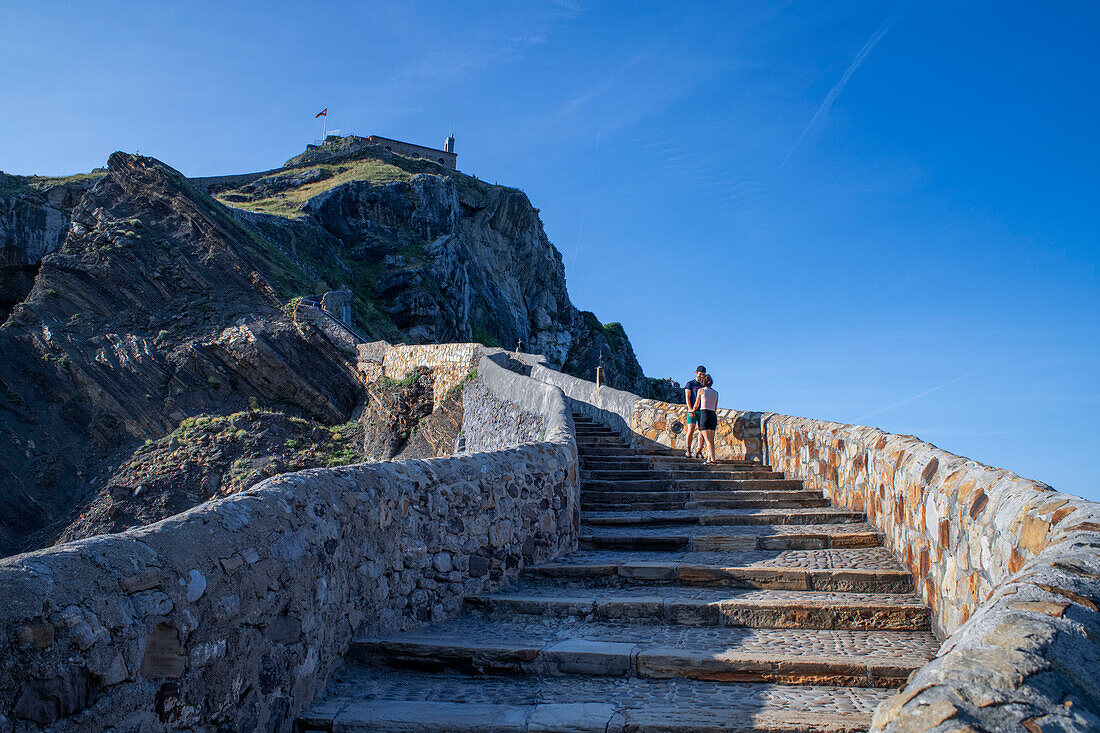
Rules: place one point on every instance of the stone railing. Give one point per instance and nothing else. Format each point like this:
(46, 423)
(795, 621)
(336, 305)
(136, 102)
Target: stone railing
(450, 363)
(310, 311)
(1010, 567)
(649, 423)
(233, 615)
(738, 434)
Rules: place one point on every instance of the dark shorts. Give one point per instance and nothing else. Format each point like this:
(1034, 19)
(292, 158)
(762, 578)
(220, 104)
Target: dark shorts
(690, 418)
(708, 419)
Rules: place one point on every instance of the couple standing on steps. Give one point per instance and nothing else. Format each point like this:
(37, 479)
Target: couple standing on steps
(702, 406)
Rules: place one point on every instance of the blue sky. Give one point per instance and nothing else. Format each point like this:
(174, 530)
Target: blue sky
(922, 257)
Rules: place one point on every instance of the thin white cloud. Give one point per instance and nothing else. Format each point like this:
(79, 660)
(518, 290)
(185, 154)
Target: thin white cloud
(928, 391)
(859, 59)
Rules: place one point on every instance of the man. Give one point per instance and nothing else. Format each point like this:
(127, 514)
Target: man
(689, 397)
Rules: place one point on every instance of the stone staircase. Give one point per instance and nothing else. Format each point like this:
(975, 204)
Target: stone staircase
(718, 598)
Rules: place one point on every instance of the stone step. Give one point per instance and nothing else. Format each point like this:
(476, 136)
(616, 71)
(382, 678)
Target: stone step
(867, 570)
(695, 606)
(726, 517)
(603, 474)
(680, 460)
(695, 484)
(662, 452)
(602, 450)
(600, 438)
(726, 503)
(601, 494)
(471, 643)
(606, 451)
(716, 539)
(361, 699)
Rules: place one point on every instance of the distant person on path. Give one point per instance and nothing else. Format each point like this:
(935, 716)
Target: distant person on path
(689, 398)
(706, 404)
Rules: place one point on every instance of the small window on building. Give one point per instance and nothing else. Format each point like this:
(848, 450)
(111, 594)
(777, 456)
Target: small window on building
(441, 161)
(414, 155)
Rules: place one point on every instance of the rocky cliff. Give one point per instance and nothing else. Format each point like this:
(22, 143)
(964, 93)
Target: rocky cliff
(432, 255)
(152, 309)
(133, 298)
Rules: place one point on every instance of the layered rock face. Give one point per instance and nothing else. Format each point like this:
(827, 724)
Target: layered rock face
(34, 220)
(154, 308)
(134, 298)
(208, 458)
(433, 256)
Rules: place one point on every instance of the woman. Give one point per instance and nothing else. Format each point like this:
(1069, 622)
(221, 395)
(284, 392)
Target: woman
(706, 402)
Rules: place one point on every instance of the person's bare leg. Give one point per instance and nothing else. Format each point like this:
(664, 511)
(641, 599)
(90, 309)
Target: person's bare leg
(690, 435)
(708, 436)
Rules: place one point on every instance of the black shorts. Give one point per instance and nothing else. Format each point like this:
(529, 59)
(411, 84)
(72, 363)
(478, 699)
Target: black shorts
(708, 419)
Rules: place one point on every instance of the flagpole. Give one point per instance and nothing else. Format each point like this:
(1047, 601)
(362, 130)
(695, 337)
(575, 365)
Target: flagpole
(324, 127)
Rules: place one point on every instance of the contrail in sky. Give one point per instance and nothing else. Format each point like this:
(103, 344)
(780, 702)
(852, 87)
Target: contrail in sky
(584, 211)
(839, 86)
(907, 400)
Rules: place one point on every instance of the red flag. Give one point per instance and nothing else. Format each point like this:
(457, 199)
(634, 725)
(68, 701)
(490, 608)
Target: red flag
(322, 113)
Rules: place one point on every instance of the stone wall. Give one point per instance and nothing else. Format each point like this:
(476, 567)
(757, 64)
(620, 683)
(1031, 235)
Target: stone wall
(649, 423)
(612, 407)
(450, 363)
(233, 615)
(738, 434)
(341, 335)
(409, 150)
(1009, 566)
(502, 406)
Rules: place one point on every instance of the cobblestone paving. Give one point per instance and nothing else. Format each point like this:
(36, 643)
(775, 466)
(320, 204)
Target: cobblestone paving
(367, 684)
(760, 530)
(870, 558)
(619, 639)
(671, 514)
(540, 632)
(676, 593)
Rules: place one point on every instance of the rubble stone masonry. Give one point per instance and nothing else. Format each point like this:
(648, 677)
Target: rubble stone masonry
(1010, 567)
(233, 615)
(450, 363)
(738, 434)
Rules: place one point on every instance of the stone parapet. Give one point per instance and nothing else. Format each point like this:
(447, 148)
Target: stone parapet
(314, 315)
(233, 615)
(1009, 566)
(738, 434)
(450, 363)
(649, 423)
(611, 407)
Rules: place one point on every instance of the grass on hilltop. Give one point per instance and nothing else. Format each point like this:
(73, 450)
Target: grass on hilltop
(288, 203)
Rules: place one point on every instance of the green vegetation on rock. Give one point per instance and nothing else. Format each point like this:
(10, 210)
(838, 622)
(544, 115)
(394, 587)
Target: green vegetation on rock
(288, 202)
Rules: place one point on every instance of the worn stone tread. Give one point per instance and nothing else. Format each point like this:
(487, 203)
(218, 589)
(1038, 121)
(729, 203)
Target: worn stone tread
(568, 646)
(697, 495)
(362, 699)
(869, 558)
(823, 515)
(735, 502)
(702, 538)
(689, 605)
(693, 472)
(694, 484)
(871, 569)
